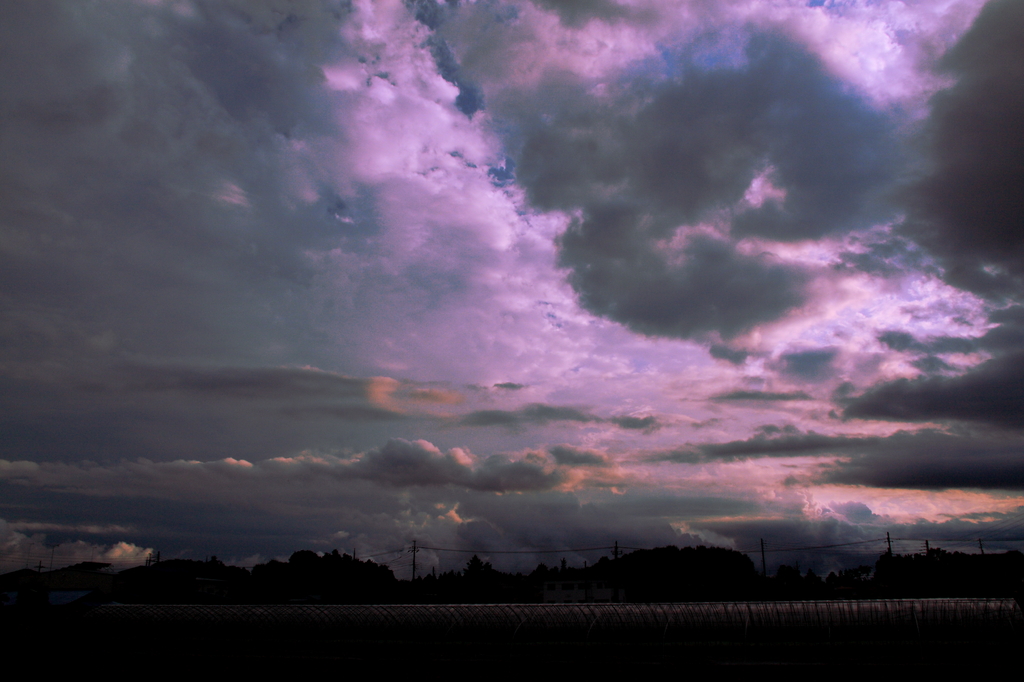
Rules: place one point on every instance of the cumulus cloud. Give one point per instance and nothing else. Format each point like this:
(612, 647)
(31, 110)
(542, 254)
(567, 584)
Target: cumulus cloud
(243, 244)
(770, 147)
(967, 208)
(385, 495)
(27, 545)
(401, 463)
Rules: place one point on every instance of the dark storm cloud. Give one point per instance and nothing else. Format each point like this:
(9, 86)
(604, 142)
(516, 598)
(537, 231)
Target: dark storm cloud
(763, 396)
(932, 365)
(144, 187)
(156, 276)
(267, 383)
(638, 164)
(571, 455)
(866, 529)
(165, 412)
(779, 535)
(927, 459)
(648, 424)
(680, 507)
(939, 344)
(692, 145)
(969, 209)
(934, 460)
(720, 352)
(1009, 334)
(534, 413)
(990, 393)
(560, 520)
(542, 414)
(510, 386)
(576, 13)
(716, 289)
(772, 441)
(809, 365)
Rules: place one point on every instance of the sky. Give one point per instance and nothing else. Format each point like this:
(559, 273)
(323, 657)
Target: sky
(510, 276)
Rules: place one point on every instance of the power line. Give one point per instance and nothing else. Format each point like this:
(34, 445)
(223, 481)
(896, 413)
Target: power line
(523, 551)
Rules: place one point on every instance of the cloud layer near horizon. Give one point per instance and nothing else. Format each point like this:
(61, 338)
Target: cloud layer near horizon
(507, 275)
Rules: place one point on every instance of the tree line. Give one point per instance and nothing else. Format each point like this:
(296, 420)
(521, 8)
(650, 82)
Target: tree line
(663, 574)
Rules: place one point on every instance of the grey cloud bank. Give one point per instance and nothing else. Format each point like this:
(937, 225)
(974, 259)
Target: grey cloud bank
(258, 259)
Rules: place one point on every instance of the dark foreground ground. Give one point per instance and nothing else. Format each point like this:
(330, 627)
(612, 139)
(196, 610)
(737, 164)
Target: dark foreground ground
(524, 638)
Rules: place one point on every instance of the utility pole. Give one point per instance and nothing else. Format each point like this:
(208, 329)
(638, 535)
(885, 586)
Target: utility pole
(615, 573)
(764, 566)
(49, 576)
(981, 546)
(888, 541)
(414, 550)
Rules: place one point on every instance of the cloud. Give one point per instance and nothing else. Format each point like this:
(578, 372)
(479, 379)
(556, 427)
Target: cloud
(638, 162)
(571, 455)
(20, 549)
(943, 344)
(857, 512)
(125, 131)
(714, 289)
(1009, 334)
(809, 365)
(401, 463)
(534, 413)
(770, 442)
(927, 459)
(762, 396)
(378, 497)
(648, 424)
(732, 355)
(172, 410)
(933, 460)
(432, 15)
(989, 393)
(542, 414)
(966, 209)
(254, 253)
(575, 13)
(247, 383)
